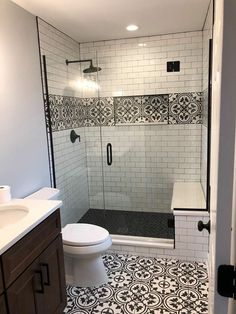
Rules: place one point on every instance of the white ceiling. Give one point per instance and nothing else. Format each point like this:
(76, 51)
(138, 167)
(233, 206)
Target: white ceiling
(92, 20)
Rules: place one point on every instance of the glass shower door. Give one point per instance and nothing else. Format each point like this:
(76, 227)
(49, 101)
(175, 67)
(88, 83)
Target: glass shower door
(125, 158)
(135, 196)
(136, 190)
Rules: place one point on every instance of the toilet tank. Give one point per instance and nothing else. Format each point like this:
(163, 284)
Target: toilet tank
(45, 194)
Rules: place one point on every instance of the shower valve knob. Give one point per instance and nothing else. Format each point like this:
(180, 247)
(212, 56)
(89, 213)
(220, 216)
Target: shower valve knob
(74, 136)
(202, 226)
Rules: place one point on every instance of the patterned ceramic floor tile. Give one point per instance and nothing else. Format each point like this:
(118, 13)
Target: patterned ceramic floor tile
(142, 285)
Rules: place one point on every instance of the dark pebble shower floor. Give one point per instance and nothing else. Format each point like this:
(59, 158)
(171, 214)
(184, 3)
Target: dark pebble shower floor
(155, 225)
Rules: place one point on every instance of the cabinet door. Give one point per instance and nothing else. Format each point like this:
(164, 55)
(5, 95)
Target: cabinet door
(3, 309)
(1, 279)
(26, 250)
(52, 266)
(22, 294)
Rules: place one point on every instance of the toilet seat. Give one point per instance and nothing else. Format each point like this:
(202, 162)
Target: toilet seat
(81, 234)
(80, 251)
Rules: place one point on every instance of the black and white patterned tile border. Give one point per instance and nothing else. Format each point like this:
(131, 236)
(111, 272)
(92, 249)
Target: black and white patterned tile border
(99, 111)
(185, 108)
(47, 114)
(142, 285)
(72, 112)
(141, 109)
(66, 112)
(205, 108)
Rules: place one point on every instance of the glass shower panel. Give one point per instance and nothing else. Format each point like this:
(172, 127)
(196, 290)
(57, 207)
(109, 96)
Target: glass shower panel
(70, 96)
(92, 128)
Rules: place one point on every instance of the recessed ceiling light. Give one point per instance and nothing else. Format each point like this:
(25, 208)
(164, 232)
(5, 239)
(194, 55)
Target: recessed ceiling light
(132, 27)
(142, 44)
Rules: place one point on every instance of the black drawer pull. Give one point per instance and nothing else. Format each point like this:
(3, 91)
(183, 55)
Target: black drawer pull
(41, 289)
(109, 154)
(45, 266)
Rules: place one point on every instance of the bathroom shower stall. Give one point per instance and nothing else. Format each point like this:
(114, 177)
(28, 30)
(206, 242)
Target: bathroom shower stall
(124, 125)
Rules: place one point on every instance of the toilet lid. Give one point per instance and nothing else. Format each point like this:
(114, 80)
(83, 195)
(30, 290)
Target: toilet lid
(83, 234)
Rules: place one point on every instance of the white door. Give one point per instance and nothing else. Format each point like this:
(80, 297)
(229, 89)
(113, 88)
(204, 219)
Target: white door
(223, 146)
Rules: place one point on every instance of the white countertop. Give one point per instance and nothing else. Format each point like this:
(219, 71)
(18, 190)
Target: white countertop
(38, 211)
(188, 195)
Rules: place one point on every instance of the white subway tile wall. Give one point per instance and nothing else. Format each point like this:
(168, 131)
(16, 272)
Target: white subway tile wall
(71, 175)
(57, 47)
(129, 69)
(190, 244)
(95, 167)
(147, 160)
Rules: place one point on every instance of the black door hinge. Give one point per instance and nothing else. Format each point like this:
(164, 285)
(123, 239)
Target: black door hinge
(226, 281)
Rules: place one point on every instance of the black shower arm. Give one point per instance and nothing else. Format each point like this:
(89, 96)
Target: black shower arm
(80, 61)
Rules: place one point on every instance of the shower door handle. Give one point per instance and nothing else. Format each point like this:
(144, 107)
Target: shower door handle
(109, 154)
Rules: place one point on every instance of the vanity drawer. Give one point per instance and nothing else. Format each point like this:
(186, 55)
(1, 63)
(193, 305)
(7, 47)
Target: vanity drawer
(1, 280)
(26, 250)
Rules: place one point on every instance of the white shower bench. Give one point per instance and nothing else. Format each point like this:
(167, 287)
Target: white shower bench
(188, 195)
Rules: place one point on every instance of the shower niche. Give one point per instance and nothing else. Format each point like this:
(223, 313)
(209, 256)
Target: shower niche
(141, 128)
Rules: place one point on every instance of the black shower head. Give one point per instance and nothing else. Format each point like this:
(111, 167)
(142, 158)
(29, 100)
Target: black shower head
(91, 69)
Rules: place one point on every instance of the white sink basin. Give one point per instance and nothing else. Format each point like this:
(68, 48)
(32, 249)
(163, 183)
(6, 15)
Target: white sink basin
(11, 214)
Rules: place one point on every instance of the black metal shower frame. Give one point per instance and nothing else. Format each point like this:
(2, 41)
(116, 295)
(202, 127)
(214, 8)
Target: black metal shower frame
(47, 112)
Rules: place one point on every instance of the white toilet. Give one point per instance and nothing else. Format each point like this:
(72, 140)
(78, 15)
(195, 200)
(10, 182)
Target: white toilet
(83, 245)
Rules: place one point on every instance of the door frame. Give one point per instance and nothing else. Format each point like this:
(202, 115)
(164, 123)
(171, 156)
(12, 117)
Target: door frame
(223, 145)
(232, 302)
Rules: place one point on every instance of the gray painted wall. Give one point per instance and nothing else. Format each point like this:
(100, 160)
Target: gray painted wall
(23, 144)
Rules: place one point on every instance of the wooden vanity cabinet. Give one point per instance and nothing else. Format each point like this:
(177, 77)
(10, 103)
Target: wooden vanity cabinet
(3, 309)
(1, 280)
(39, 288)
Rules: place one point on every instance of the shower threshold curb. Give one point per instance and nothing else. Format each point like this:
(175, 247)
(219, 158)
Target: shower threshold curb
(142, 241)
